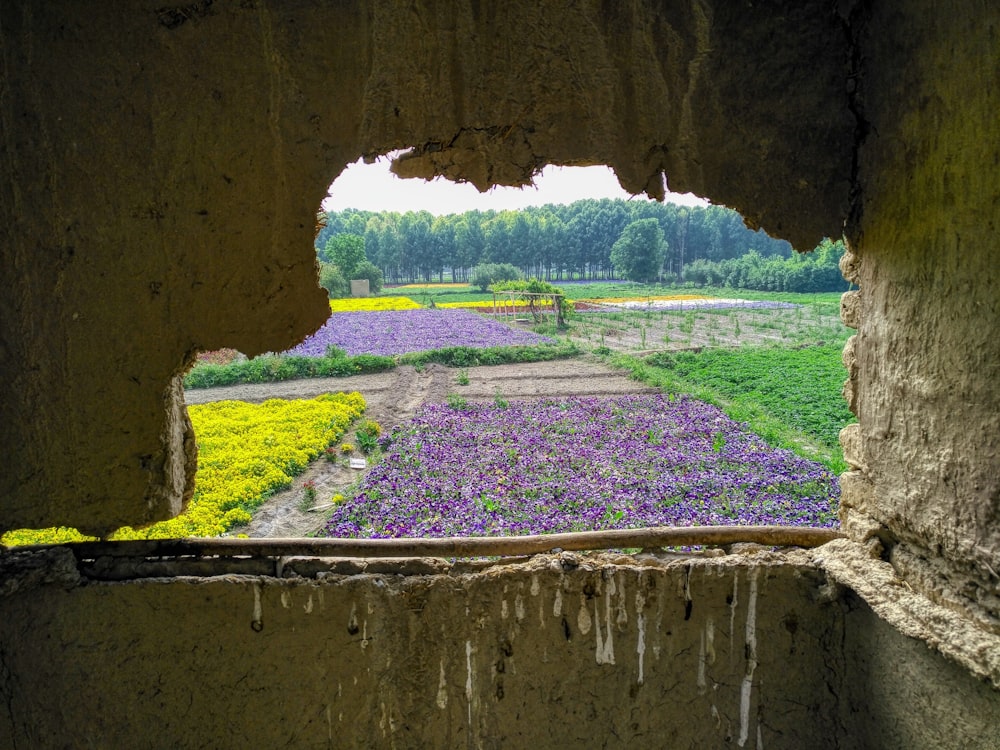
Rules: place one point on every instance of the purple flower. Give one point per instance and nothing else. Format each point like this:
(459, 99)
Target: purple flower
(401, 331)
(581, 463)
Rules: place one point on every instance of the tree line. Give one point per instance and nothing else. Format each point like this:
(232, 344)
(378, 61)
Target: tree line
(593, 239)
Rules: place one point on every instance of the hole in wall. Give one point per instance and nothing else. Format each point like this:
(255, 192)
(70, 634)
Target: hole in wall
(576, 215)
(408, 231)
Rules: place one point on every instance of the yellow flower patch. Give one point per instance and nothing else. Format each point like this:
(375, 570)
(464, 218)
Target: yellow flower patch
(370, 304)
(484, 304)
(246, 452)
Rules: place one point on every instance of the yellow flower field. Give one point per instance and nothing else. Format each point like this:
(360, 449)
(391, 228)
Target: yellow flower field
(245, 453)
(483, 304)
(369, 304)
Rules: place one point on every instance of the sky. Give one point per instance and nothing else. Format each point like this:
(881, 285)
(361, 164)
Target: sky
(372, 187)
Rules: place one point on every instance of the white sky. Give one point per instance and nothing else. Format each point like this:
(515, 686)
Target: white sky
(372, 187)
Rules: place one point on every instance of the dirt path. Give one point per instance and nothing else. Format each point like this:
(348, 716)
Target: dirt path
(393, 398)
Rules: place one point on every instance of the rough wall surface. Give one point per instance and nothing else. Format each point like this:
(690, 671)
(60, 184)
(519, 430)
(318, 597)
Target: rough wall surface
(751, 650)
(925, 364)
(162, 165)
(900, 694)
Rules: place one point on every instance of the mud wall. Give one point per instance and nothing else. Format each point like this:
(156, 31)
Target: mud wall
(163, 165)
(161, 168)
(925, 363)
(750, 650)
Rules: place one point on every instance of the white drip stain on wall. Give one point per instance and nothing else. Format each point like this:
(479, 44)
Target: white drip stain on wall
(700, 681)
(640, 646)
(557, 603)
(732, 615)
(286, 599)
(352, 619)
(468, 679)
(583, 619)
(536, 589)
(519, 607)
(442, 694)
(657, 648)
(606, 646)
(706, 653)
(751, 651)
(308, 606)
(621, 615)
(710, 640)
(256, 622)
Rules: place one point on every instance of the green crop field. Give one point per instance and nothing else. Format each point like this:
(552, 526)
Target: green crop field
(789, 396)
(801, 386)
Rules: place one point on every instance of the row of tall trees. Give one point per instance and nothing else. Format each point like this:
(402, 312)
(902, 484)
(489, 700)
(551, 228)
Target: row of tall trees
(818, 271)
(552, 242)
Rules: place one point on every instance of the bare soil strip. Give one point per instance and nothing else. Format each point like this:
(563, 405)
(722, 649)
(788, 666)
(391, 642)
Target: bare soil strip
(393, 398)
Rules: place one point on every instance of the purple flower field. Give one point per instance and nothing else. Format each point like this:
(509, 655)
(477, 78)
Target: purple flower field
(535, 467)
(394, 332)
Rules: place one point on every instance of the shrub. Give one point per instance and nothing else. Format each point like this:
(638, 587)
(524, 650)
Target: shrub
(368, 270)
(331, 279)
(537, 286)
(486, 274)
(367, 434)
(275, 368)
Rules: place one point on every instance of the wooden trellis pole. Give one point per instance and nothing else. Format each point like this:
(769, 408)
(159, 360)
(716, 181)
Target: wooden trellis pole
(460, 547)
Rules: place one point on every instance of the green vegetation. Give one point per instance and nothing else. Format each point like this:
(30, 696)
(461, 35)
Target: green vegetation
(801, 273)
(331, 279)
(368, 270)
(346, 251)
(536, 286)
(829, 301)
(790, 397)
(464, 356)
(802, 386)
(487, 274)
(272, 368)
(572, 242)
(639, 252)
(805, 319)
(343, 259)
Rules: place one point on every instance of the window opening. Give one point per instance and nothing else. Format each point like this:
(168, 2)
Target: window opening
(556, 248)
